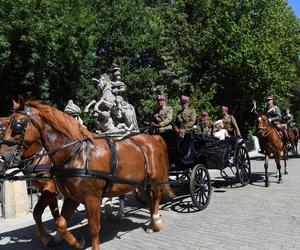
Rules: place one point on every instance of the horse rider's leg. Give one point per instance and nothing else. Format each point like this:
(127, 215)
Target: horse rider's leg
(68, 209)
(47, 198)
(92, 208)
(156, 222)
(267, 182)
(277, 157)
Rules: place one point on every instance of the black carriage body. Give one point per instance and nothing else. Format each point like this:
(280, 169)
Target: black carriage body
(196, 148)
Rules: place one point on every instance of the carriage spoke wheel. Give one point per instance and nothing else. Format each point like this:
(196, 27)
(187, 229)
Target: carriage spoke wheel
(140, 196)
(200, 186)
(114, 208)
(243, 167)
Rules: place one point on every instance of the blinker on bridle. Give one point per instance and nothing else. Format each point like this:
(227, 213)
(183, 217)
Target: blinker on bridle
(18, 129)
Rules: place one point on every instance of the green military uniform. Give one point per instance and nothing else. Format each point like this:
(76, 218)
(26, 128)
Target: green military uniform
(273, 113)
(185, 119)
(231, 126)
(163, 117)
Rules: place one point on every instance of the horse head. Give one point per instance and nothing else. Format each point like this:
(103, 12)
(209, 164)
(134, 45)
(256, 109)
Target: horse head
(104, 82)
(262, 124)
(21, 138)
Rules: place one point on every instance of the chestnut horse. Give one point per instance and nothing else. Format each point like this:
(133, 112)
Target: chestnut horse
(273, 145)
(293, 134)
(46, 186)
(87, 168)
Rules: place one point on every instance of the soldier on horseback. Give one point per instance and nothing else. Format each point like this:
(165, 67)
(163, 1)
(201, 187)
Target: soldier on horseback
(288, 118)
(274, 116)
(291, 128)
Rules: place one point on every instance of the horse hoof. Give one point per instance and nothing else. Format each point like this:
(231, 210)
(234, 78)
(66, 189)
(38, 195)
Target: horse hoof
(286, 172)
(267, 184)
(280, 181)
(149, 230)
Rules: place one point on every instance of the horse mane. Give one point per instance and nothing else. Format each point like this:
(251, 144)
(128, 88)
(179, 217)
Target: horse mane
(61, 121)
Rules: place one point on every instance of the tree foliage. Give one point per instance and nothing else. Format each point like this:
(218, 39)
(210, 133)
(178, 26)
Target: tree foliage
(221, 52)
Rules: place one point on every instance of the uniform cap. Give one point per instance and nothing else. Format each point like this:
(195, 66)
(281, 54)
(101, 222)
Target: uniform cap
(204, 114)
(184, 98)
(269, 98)
(161, 97)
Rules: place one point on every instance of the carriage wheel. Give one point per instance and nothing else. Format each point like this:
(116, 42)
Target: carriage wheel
(114, 208)
(243, 167)
(140, 196)
(200, 186)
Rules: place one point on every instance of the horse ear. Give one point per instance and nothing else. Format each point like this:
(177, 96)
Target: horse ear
(6, 123)
(21, 102)
(15, 105)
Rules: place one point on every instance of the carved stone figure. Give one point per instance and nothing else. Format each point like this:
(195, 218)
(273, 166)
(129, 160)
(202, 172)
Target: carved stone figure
(73, 110)
(114, 113)
(126, 113)
(119, 87)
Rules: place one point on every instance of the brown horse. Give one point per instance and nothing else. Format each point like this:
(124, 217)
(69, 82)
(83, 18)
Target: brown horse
(273, 145)
(46, 186)
(293, 134)
(88, 168)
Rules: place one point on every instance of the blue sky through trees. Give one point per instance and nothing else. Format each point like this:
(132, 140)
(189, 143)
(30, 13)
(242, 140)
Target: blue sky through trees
(296, 6)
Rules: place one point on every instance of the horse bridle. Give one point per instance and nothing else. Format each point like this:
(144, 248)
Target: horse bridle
(19, 128)
(264, 131)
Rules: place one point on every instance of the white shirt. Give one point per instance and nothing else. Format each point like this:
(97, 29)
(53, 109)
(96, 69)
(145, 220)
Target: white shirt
(221, 134)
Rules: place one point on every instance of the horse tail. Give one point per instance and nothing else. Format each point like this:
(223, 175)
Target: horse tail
(166, 189)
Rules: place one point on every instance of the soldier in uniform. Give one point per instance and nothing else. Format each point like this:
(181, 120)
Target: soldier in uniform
(163, 116)
(274, 116)
(288, 118)
(230, 123)
(205, 123)
(186, 117)
(273, 112)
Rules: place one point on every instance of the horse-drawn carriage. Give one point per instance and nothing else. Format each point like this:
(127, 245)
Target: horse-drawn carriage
(89, 168)
(191, 157)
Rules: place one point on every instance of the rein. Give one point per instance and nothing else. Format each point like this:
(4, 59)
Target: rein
(265, 131)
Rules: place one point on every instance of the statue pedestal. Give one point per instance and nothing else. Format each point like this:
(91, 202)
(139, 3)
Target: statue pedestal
(14, 199)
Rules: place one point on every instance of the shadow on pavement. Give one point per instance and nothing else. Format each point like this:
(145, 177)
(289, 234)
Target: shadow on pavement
(25, 238)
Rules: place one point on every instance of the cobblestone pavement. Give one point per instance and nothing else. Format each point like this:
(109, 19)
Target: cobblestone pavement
(251, 217)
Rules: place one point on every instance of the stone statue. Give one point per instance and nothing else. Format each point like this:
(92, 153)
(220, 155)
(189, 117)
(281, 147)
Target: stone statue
(119, 87)
(73, 110)
(114, 113)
